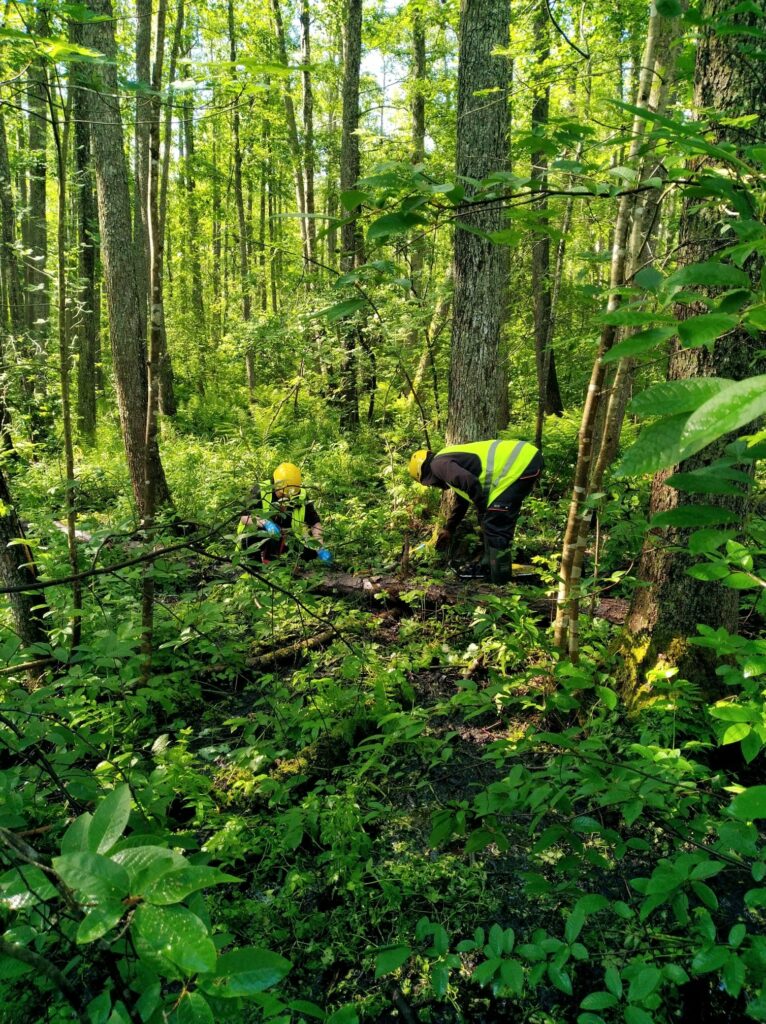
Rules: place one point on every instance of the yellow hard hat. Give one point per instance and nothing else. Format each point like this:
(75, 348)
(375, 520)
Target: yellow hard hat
(416, 463)
(287, 478)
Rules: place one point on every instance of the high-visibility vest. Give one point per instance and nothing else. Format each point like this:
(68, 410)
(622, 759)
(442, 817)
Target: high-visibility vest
(296, 507)
(502, 462)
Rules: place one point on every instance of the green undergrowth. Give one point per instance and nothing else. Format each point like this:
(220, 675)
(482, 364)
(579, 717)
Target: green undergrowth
(315, 810)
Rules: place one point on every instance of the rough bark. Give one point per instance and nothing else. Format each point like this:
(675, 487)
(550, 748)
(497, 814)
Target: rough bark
(17, 569)
(566, 624)
(292, 131)
(141, 165)
(38, 284)
(352, 250)
(667, 611)
(128, 341)
(480, 267)
(11, 275)
(308, 137)
(549, 395)
(87, 304)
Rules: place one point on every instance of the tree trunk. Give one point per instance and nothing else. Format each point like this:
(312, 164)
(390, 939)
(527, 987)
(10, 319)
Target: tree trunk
(292, 132)
(548, 396)
(123, 298)
(142, 166)
(569, 573)
(308, 137)
(87, 220)
(667, 611)
(480, 267)
(17, 569)
(352, 250)
(9, 266)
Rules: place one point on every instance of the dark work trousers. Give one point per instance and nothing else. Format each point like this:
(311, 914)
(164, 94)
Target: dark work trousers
(502, 515)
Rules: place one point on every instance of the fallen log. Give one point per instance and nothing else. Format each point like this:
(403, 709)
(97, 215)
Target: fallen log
(405, 593)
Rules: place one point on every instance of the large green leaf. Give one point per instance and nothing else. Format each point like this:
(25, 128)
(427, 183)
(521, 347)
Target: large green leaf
(393, 224)
(243, 972)
(750, 804)
(100, 920)
(711, 275)
(94, 878)
(705, 328)
(144, 864)
(637, 344)
(176, 934)
(109, 820)
(724, 413)
(193, 1008)
(340, 310)
(674, 396)
(174, 886)
(390, 958)
(657, 446)
(693, 515)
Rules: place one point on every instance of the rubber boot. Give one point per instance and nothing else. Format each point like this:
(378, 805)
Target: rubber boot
(500, 566)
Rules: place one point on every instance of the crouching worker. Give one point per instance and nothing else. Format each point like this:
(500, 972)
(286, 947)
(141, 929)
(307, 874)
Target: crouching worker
(496, 476)
(280, 509)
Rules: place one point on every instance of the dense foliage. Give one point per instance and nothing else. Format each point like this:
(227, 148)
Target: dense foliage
(234, 791)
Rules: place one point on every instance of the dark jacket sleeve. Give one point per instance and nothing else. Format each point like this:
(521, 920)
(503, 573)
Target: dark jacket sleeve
(454, 475)
(457, 515)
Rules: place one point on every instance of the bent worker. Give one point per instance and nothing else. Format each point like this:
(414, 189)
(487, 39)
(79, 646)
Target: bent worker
(496, 476)
(280, 509)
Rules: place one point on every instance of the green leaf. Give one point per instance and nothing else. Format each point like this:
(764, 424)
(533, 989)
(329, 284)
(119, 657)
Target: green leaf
(657, 446)
(755, 898)
(93, 877)
(599, 1001)
(734, 407)
(174, 886)
(592, 903)
(705, 328)
(693, 515)
(244, 972)
(177, 935)
(75, 839)
(675, 396)
(109, 820)
(345, 1015)
(574, 925)
(390, 958)
(393, 224)
(613, 981)
(644, 983)
(486, 971)
(708, 571)
(144, 864)
(733, 976)
(750, 804)
(340, 310)
(352, 198)
(512, 976)
(193, 1008)
(741, 581)
(635, 1015)
(736, 935)
(560, 979)
(638, 344)
(677, 975)
(710, 275)
(99, 921)
(711, 959)
(649, 278)
(705, 541)
(735, 733)
(629, 316)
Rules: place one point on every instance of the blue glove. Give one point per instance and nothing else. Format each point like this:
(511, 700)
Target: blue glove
(271, 528)
(324, 555)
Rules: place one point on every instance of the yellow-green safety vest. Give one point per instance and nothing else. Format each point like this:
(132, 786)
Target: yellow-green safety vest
(297, 510)
(502, 462)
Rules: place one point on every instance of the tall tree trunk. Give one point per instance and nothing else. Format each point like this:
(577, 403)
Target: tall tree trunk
(569, 573)
(244, 260)
(9, 265)
(292, 132)
(666, 611)
(127, 339)
(87, 220)
(352, 252)
(17, 569)
(308, 136)
(142, 160)
(480, 267)
(548, 394)
(192, 212)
